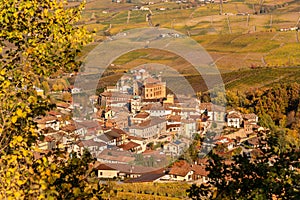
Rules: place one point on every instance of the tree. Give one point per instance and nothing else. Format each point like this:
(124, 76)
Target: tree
(37, 38)
(199, 192)
(46, 87)
(270, 175)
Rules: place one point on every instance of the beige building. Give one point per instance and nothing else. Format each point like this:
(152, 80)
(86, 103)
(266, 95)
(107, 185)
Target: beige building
(105, 171)
(155, 90)
(150, 88)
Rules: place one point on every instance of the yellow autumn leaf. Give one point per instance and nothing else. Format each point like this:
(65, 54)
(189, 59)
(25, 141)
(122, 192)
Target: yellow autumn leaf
(14, 119)
(19, 139)
(19, 112)
(31, 170)
(76, 191)
(20, 182)
(48, 172)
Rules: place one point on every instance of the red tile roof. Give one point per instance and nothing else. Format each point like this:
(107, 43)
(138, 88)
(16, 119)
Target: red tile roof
(128, 146)
(142, 115)
(200, 170)
(180, 168)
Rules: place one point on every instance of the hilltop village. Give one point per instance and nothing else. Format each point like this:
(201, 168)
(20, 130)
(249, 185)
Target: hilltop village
(140, 132)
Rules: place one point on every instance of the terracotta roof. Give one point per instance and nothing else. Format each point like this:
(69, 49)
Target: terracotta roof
(116, 94)
(233, 115)
(120, 131)
(154, 106)
(54, 113)
(115, 133)
(106, 138)
(202, 161)
(122, 159)
(174, 118)
(63, 105)
(250, 116)
(131, 137)
(173, 126)
(131, 169)
(89, 143)
(69, 128)
(240, 133)
(128, 146)
(148, 177)
(151, 80)
(180, 168)
(200, 170)
(104, 167)
(48, 138)
(142, 115)
(88, 124)
(46, 119)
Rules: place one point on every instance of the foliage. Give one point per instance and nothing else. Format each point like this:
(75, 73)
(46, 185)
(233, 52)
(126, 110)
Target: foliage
(37, 39)
(277, 106)
(199, 193)
(270, 175)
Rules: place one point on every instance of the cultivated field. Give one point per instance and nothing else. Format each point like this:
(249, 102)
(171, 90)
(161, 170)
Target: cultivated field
(239, 40)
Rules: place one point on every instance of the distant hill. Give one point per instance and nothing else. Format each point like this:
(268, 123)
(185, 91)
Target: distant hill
(246, 36)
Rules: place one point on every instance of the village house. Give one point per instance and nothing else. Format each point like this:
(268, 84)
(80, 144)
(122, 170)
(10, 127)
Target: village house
(132, 147)
(200, 173)
(48, 122)
(225, 142)
(181, 171)
(64, 108)
(234, 119)
(140, 117)
(137, 140)
(94, 147)
(124, 84)
(175, 148)
(188, 128)
(135, 104)
(173, 128)
(87, 126)
(155, 176)
(249, 122)
(108, 113)
(114, 99)
(56, 114)
(214, 112)
(150, 88)
(239, 136)
(121, 121)
(115, 156)
(148, 129)
(156, 110)
(122, 171)
(112, 137)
